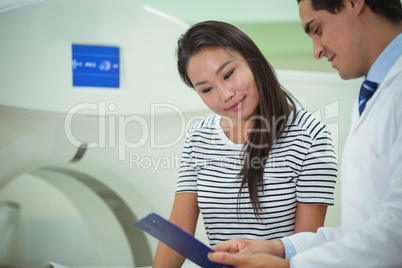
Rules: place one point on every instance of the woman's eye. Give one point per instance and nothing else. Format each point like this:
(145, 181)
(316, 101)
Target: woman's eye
(206, 90)
(229, 74)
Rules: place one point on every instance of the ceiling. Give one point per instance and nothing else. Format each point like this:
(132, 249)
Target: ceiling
(274, 26)
(251, 11)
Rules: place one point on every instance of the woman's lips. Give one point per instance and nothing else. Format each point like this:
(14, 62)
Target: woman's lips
(237, 106)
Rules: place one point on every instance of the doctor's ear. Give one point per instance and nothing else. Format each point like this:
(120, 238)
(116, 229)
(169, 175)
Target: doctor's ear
(357, 6)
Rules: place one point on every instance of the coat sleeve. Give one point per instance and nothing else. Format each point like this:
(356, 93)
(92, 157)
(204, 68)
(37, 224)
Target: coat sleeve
(377, 242)
(306, 240)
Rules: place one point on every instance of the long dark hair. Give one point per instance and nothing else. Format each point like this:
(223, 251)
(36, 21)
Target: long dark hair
(275, 103)
(390, 9)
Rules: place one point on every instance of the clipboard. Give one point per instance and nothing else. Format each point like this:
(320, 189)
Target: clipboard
(177, 239)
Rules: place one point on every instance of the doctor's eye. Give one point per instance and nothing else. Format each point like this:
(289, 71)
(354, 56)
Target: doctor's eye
(317, 31)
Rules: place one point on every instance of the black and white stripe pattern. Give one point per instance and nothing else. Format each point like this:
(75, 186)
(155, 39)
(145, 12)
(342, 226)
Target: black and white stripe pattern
(301, 168)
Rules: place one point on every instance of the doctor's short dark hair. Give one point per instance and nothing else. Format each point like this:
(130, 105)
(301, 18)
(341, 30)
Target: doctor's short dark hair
(390, 9)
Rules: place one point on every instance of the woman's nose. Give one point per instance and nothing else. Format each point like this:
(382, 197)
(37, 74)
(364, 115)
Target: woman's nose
(226, 93)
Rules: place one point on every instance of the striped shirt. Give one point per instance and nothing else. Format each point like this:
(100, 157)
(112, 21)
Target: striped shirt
(301, 168)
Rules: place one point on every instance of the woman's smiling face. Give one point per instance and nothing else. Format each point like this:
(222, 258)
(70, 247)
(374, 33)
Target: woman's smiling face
(224, 82)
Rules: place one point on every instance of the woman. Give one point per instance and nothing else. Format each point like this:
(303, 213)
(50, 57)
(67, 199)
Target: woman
(260, 167)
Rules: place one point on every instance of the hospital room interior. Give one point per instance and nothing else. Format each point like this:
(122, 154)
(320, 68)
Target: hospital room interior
(83, 160)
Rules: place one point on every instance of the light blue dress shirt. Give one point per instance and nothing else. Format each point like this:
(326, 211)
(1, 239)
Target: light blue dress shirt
(377, 74)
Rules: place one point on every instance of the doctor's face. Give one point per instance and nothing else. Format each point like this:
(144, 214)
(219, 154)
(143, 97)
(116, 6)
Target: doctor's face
(224, 82)
(337, 37)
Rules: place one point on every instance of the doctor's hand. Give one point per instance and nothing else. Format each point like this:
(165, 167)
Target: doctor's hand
(272, 247)
(241, 260)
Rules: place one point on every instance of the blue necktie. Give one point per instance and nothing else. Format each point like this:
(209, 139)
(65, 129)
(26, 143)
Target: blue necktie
(366, 92)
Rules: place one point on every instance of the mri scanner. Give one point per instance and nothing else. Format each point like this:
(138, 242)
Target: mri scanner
(93, 117)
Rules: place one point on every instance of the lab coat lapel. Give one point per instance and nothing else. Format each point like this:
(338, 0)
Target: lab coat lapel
(358, 120)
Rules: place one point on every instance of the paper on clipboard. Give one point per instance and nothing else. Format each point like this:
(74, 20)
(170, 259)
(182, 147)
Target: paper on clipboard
(177, 239)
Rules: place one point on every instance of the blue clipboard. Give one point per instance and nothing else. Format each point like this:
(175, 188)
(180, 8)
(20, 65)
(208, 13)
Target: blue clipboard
(177, 239)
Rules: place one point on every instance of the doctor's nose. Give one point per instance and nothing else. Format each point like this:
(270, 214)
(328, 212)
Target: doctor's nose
(318, 49)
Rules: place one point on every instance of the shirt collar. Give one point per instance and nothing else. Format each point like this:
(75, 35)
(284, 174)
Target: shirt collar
(385, 61)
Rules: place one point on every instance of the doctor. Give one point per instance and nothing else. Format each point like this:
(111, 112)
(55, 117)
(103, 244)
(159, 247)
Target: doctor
(359, 38)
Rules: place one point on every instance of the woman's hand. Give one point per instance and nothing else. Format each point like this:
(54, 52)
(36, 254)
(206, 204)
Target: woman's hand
(250, 253)
(242, 260)
(251, 247)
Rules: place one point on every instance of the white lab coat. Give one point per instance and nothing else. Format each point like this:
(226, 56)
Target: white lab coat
(371, 195)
